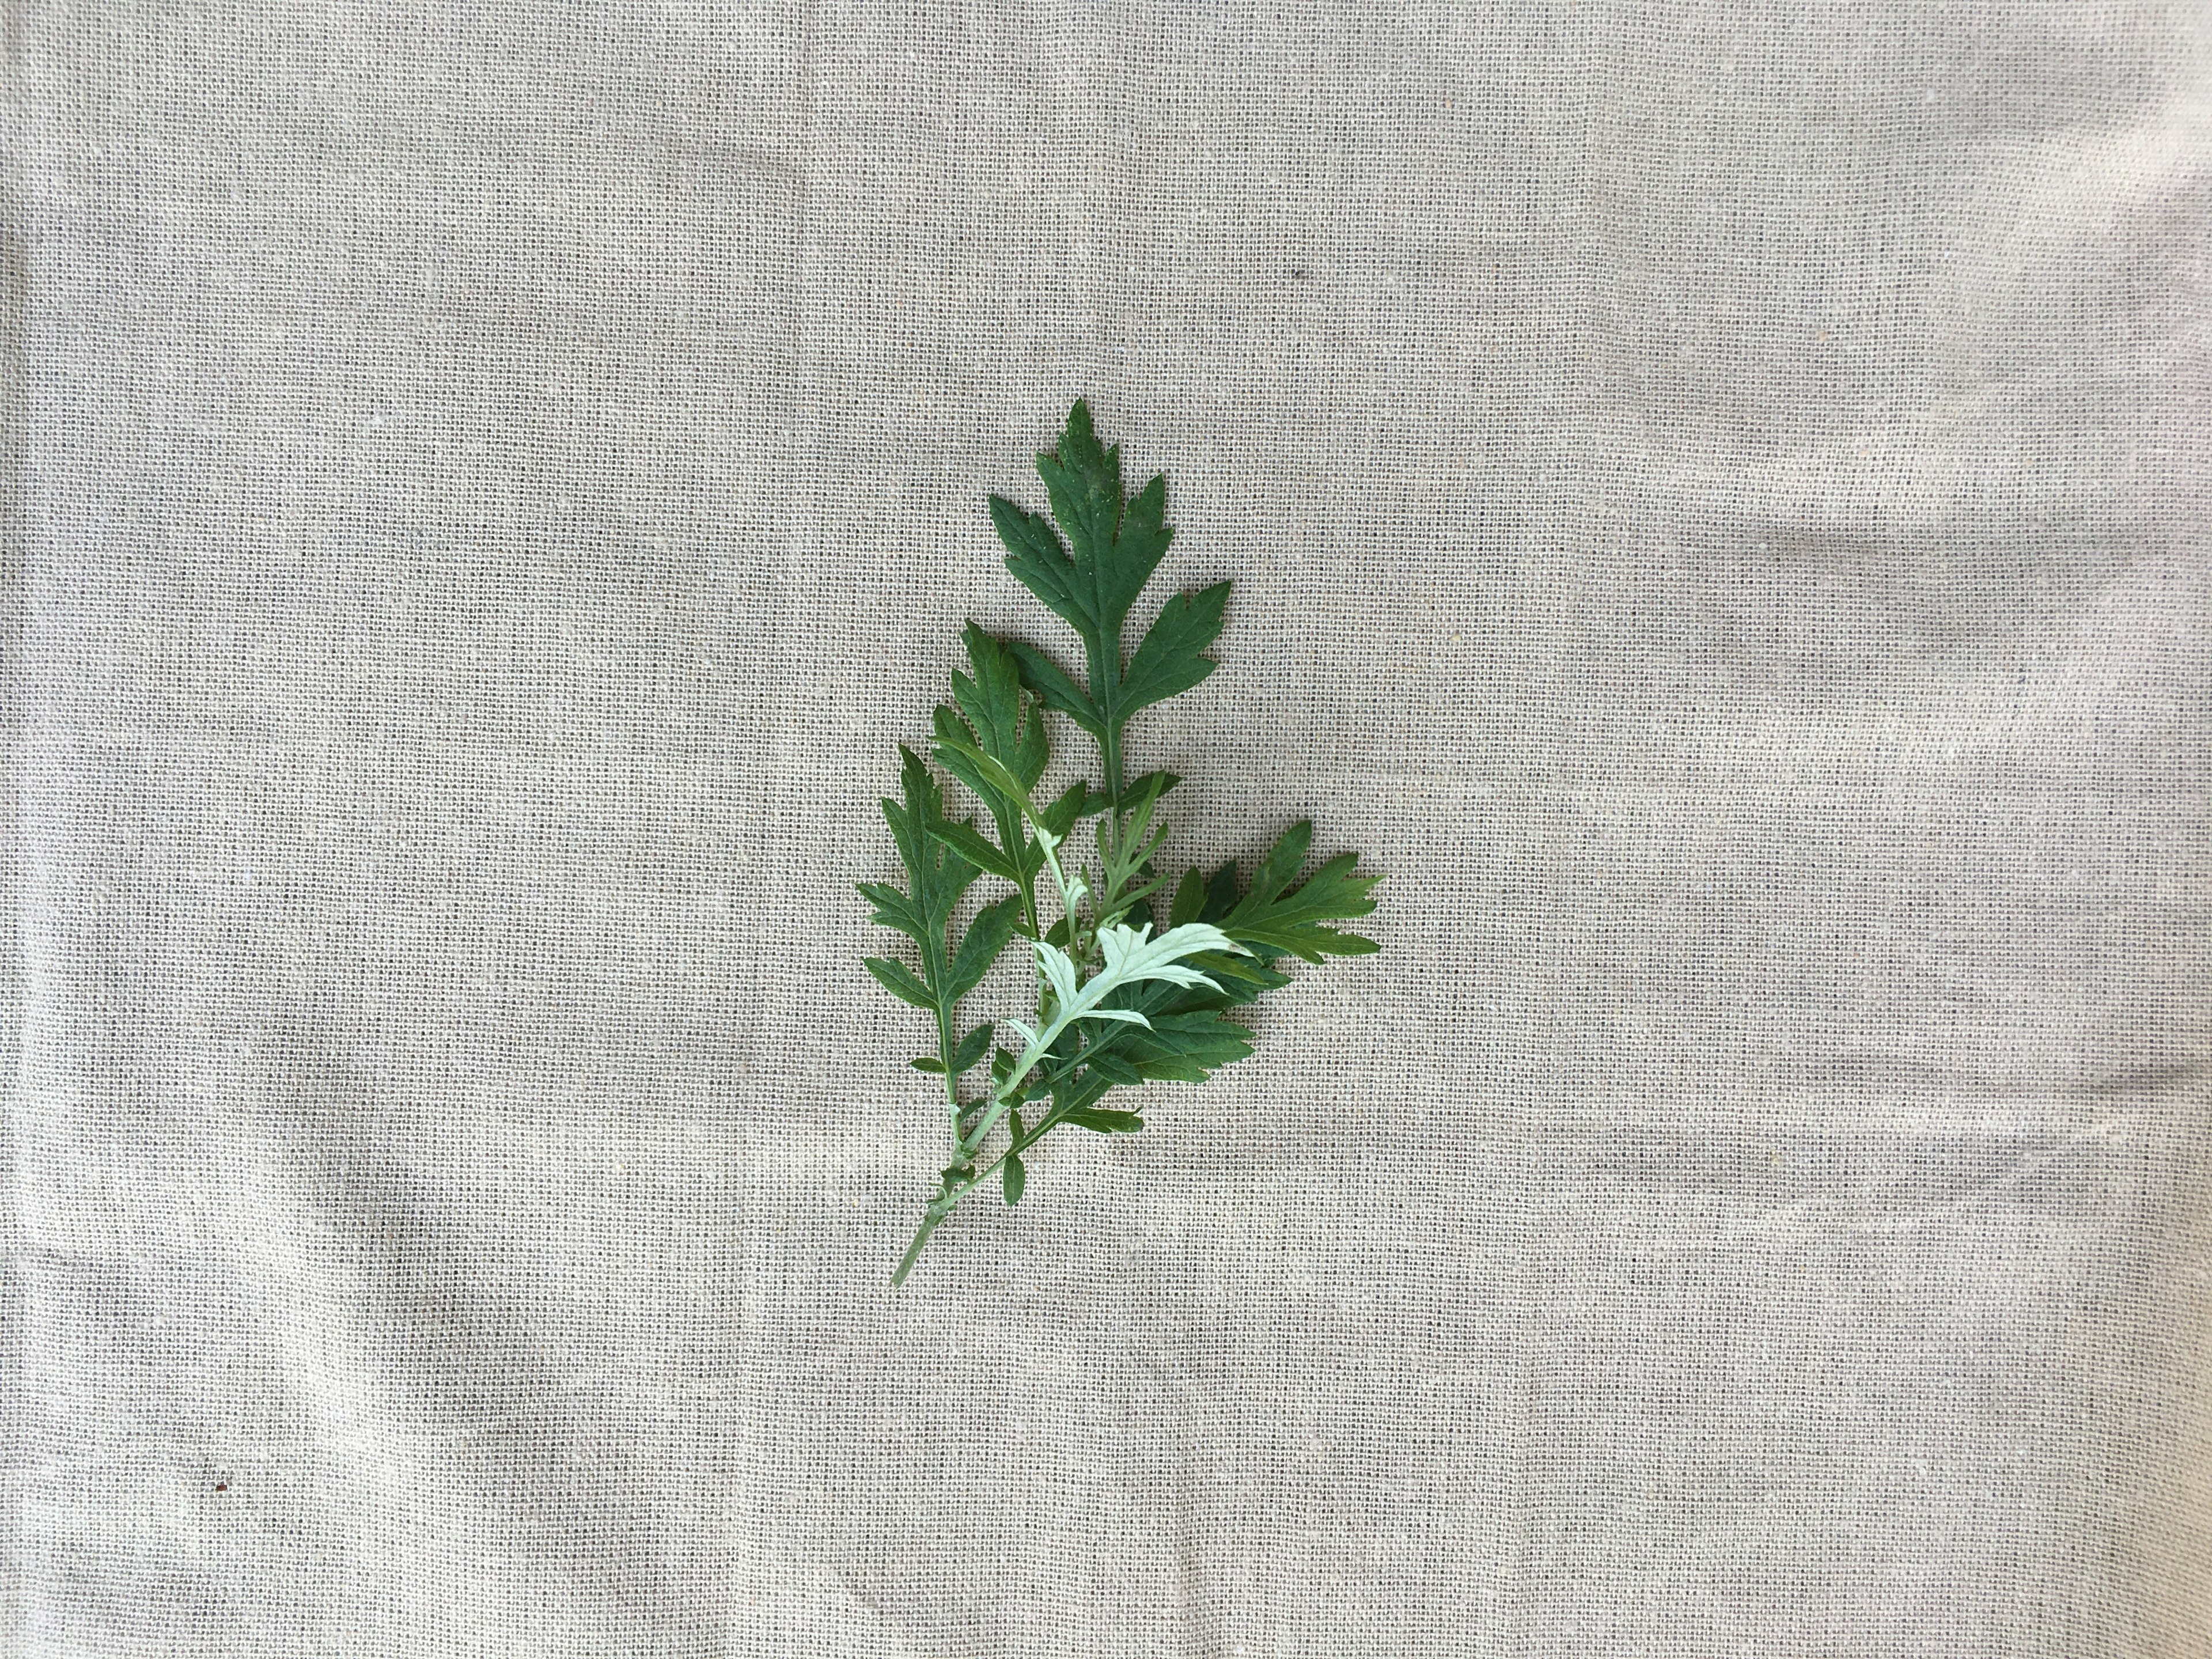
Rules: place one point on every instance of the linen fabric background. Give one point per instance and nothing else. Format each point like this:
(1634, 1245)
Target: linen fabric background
(1717, 498)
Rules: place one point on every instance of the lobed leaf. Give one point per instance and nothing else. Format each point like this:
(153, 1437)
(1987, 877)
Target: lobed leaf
(987, 936)
(1039, 562)
(965, 839)
(940, 875)
(1282, 862)
(1132, 955)
(893, 908)
(1171, 658)
(1057, 688)
(989, 772)
(998, 711)
(1114, 542)
(1186, 1048)
(1272, 922)
(936, 853)
(898, 979)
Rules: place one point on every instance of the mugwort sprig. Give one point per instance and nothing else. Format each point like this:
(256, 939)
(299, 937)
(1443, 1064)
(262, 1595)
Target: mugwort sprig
(1121, 1001)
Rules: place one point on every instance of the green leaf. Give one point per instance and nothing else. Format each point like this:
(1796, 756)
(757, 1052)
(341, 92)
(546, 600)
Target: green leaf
(1186, 1048)
(1038, 561)
(1127, 844)
(1101, 1123)
(939, 872)
(987, 936)
(992, 715)
(1015, 1178)
(988, 770)
(1114, 1069)
(1171, 658)
(964, 839)
(993, 739)
(1114, 542)
(1077, 802)
(973, 1048)
(1059, 691)
(898, 979)
(923, 1063)
(1272, 922)
(1138, 800)
(997, 712)
(893, 908)
(1281, 863)
(940, 875)
(1186, 1037)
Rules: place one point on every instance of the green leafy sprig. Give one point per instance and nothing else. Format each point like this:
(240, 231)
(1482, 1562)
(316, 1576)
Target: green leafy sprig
(1120, 1001)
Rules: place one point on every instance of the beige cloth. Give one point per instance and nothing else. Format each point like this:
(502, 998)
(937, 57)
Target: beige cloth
(1717, 498)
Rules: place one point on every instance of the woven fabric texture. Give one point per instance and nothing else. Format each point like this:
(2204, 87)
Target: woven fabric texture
(1717, 498)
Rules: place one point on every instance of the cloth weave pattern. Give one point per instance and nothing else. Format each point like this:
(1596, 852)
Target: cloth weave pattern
(1717, 502)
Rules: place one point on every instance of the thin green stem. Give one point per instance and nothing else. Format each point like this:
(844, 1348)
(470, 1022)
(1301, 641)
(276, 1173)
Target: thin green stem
(1105, 663)
(946, 1050)
(984, 1172)
(929, 1221)
(1003, 1098)
(947, 1201)
(1110, 755)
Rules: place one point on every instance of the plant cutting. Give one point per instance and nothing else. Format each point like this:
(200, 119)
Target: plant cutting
(1122, 998)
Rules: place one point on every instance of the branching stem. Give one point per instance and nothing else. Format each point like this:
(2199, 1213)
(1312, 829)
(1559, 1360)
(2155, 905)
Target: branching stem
(946, 1201)
(1089, 563)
